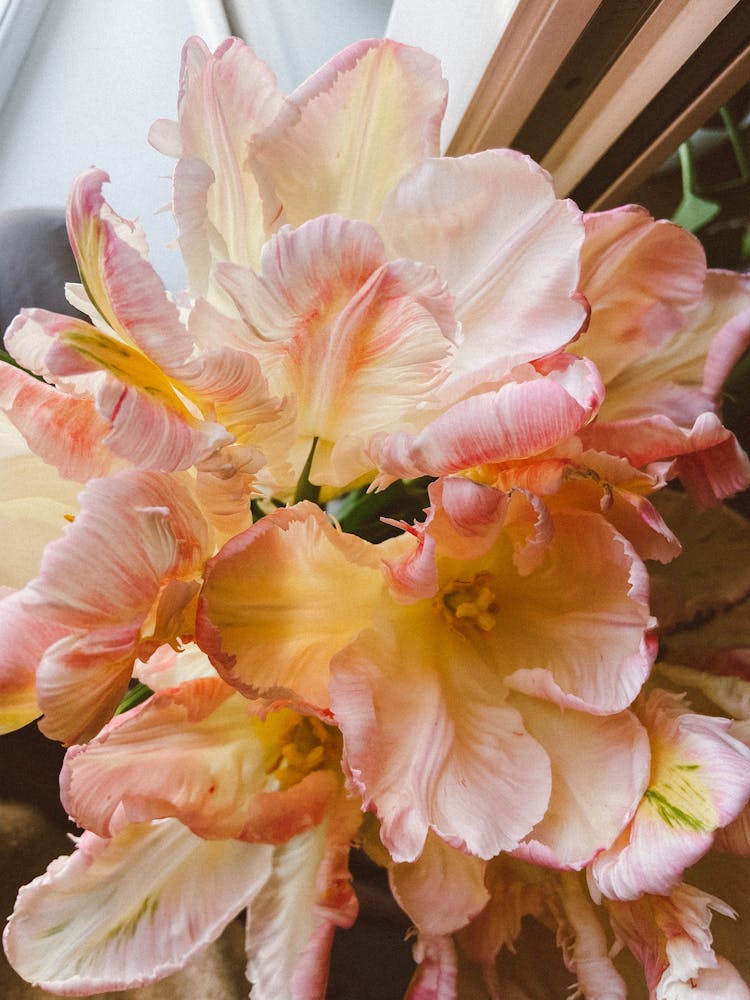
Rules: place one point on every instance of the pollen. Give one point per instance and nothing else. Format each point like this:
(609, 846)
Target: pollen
(470, 604)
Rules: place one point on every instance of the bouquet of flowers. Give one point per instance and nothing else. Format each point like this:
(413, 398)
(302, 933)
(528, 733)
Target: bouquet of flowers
(402, 528)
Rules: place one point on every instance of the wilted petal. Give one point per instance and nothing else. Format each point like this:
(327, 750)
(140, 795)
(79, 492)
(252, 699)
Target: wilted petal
(124, 912)
(507, 249)
(641, 278)
(700, 780)
(346, 137)
(670, 936)
(281, 599)
(587, 952)
(600, 769)
(713, 570)
(517, 890)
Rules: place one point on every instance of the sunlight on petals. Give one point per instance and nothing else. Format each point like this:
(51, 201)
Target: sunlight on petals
(226, 98)
(496, 253)
(378, 105)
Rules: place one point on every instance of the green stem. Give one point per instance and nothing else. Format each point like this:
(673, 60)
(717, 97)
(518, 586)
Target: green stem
(687, 168)
(305, 489)
(138, 693)
(736, 141)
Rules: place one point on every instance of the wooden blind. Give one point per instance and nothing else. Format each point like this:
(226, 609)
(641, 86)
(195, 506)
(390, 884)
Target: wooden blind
(599, 91)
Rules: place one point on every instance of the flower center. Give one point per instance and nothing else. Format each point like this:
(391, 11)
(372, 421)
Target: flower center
(470, 604)
(307, 746)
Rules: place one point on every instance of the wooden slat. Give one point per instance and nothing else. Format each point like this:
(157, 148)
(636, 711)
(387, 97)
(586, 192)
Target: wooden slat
(606, 36)
(717, 70)
(664, 44)
(539, 36)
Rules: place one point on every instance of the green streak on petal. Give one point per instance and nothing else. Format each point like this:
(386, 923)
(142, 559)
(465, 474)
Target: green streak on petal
(129, 925)
(672, 815)
(688, 767)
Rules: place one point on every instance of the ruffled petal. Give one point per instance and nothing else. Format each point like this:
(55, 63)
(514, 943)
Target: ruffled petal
(707, 456)
(125, 912)
(517, 422)
(122, 285)
(606, 484)
(281, 599)
(23, 640)
(101, 585)
(671, 937)
(442, 890)
(225, 99)
(595, 650)
(700, 780)
(362, 344)
(641, 278)
(95, 576)
(64, 431)
(507, 249)
(600, 770)
(198, 754)
(308, 894)
(683, 376)
(347, 136)
(463, 765)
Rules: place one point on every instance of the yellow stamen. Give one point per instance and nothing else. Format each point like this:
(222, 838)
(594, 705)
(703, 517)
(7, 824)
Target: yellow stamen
(468, 604)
